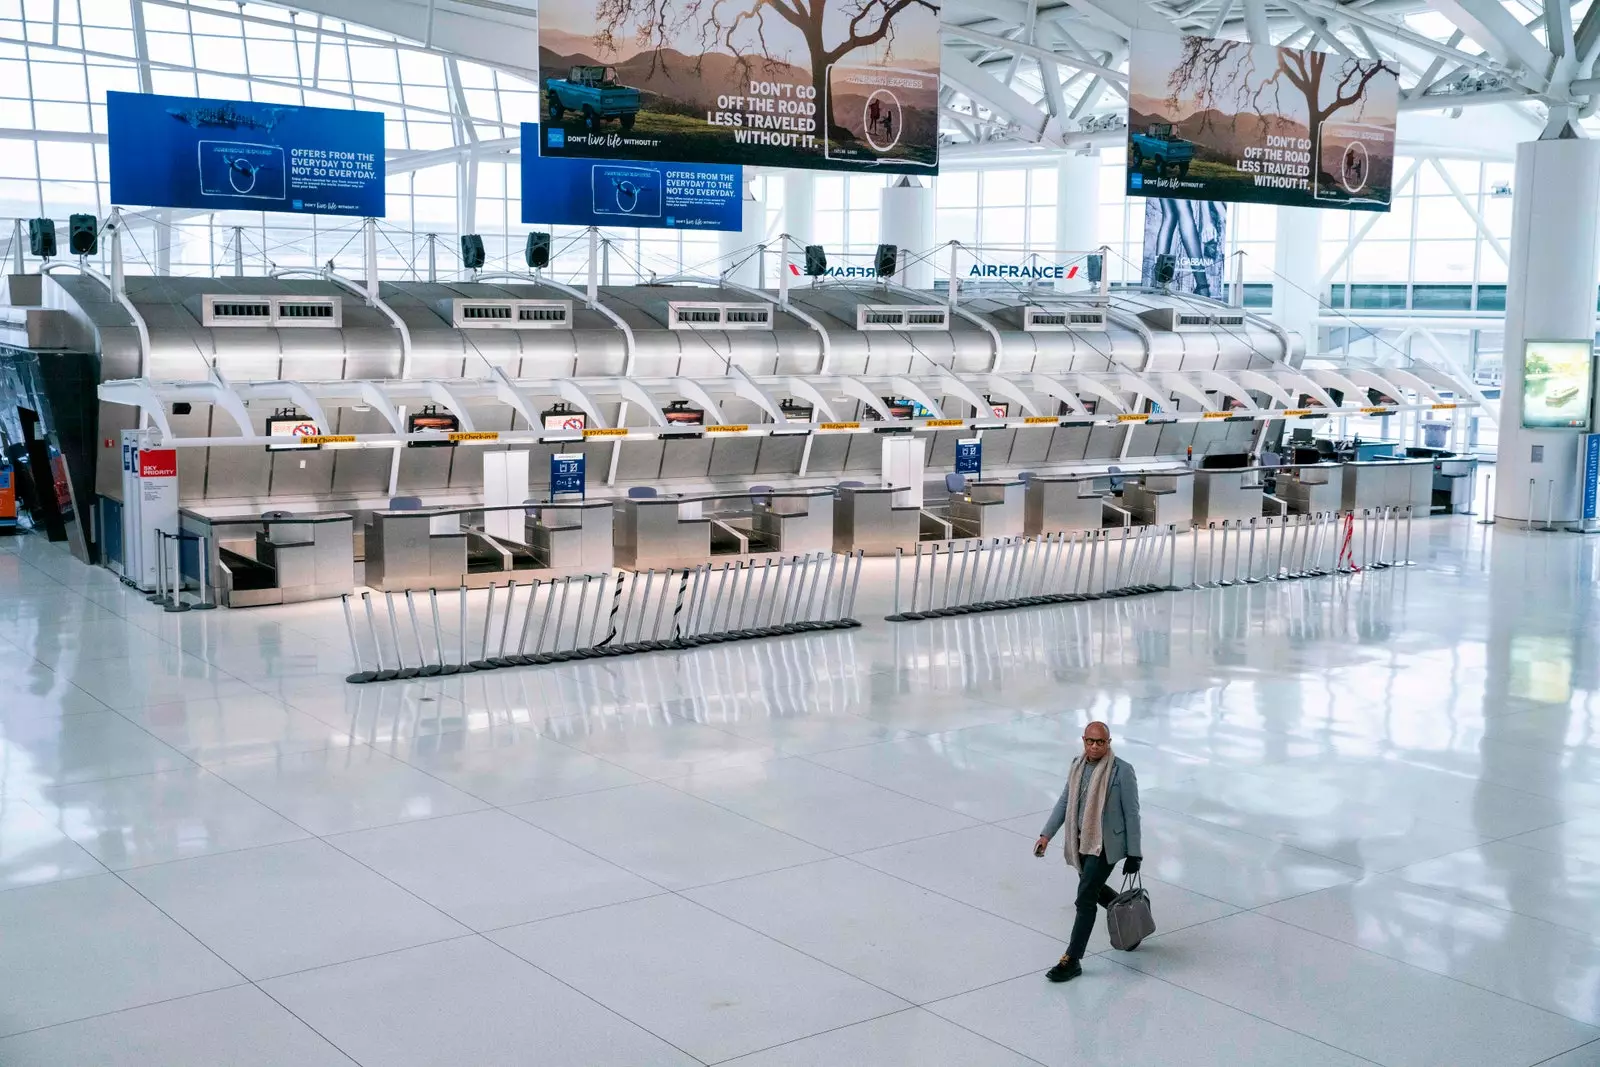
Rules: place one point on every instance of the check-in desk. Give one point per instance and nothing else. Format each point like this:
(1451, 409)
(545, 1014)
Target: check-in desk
(1310, 488)
(1060, 502)
(794, 521)
(1388, 483)
(256, 561)
(1228, 494)
(571, 535)
(1160, 498)
(1453, 476)
(989, 507)
(415, 550)
(661, 531)
(866, 519)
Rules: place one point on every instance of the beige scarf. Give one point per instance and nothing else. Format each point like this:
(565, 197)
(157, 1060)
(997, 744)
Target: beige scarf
(1089, 844)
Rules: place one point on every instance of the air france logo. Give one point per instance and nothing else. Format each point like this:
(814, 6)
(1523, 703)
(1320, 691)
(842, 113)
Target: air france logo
(841, 272)
(1034, 273)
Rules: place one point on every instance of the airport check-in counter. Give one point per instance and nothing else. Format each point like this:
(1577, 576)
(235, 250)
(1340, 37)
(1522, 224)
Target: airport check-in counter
(1160, 498)
(286, 560)
(866, 519)
(1064, 502)
(989, 507)
(415, 549)
(1310, 488)
(794, 521)
(1453, 477)
(1228, 494)
(571, 535)
(1388, 483)
(662, 531)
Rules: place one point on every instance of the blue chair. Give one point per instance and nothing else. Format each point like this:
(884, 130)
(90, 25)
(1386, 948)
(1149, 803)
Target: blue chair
(405, 503)
(641, 492)
(1116, 478)
(955, 483)
(1025, 477)
(851, 484)
(760, 492)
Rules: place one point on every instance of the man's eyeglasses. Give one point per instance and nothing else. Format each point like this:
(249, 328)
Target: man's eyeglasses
(1097, 740)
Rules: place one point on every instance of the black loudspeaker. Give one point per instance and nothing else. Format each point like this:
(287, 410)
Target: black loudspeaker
(1166, 269)
(887, 260)
(42, 238)
(1092, 267)
(83, 235)
(816, 261)
(472, 251)
(538, 250)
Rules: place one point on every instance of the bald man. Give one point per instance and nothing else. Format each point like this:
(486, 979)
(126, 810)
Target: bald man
(1100, 809)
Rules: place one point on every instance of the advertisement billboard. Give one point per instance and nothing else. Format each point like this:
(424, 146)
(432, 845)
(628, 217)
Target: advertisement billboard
(660, 196)
(1557, 384)
(1228, 120)
(821, 84)
(1195, 234)
(218, 155)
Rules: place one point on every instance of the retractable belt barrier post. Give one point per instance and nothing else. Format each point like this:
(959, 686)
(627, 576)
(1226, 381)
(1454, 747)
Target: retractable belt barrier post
(1010, 572)
(686, 608)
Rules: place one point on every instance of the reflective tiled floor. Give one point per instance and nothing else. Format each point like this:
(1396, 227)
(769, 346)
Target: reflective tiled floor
(1372, 829)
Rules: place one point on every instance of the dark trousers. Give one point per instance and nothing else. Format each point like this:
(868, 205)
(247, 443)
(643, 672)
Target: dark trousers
(1093, 893)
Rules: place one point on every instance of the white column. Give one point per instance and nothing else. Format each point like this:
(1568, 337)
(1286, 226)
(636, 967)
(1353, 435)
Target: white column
(1550, 289)
(905, 219)
(1297, 259)
(163, 242)
(737, 246)
(1077, 213)
(799, 204)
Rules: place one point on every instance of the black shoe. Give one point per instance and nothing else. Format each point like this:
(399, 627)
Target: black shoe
(1065, 970)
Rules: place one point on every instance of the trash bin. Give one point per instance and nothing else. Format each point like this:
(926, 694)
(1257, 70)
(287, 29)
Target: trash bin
(1435, 434)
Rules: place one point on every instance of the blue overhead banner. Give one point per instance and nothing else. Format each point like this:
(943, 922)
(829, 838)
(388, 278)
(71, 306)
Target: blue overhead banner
(228, 155)
(560, 191)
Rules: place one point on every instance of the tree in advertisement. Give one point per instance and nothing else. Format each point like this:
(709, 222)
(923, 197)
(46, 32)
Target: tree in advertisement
(831, 84)
(1234, 121)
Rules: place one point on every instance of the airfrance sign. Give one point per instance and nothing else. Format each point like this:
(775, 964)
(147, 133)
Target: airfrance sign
(1009, 271)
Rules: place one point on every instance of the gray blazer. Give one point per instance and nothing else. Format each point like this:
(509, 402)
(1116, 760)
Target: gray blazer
(1119, 822)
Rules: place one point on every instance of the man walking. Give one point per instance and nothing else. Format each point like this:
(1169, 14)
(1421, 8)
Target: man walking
(1100, 810)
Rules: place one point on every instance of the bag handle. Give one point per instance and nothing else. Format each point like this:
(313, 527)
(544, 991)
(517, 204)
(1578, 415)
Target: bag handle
(1132, 881)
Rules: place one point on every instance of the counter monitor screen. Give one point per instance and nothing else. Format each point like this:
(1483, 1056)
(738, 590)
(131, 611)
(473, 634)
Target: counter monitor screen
(681, 414)
(565, 420)
(291, 427)
(1557, 384)
(431, 421)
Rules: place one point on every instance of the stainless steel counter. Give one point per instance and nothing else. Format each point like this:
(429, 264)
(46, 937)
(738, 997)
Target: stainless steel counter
(794, 521)
(571, 535)
(1064, 502)
(1310, 488)
(404, 552)
(253, 560)
(1160, 498)
(661, 532)
(990, 507)
(865, 519)
(1231, 494)
(1388, 483)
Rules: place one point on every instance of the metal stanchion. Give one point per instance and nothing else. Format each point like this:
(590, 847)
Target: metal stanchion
(1250, 561)
(1407, 562)
(1549, 507)
(177, 575)
(1488, 501)
(424, 668)
(382, 674)
(916, 575)
(1172, 557)
(544, 621)
(848, 615)
(360, 674)
(203, 573)
(438, 635)
(899, 557)
(394, 632)
(463, 666)
(483, 662)
(1223, 566)
(1211, 554)
(1527, 524)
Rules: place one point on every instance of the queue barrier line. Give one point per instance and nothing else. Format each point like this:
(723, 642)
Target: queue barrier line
(613, 614)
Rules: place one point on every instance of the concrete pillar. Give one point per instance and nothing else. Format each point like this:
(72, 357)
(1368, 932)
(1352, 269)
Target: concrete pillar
(1297, 266)
(905, 219)
(741, 262)
(799, 205)
(1550, 296)
(1077, 213)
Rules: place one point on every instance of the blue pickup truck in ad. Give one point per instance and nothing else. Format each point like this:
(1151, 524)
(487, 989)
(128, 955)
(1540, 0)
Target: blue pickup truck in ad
(1159, 147)
(594, 93)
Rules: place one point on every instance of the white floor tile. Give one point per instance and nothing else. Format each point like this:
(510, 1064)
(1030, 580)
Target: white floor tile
(1352, 999)
(87, 946)
(831, 810)
(667, 836)
(1115, 1017)
(1525, 959)
(34, 850)
(1563, 890)
(340, 789)
(967, 780)
(914, 943)
(169, 815)
(239, 1027)
(236, 728)
(464, 1002)
(510, 764)
(78, 748)
(487, 869)
(269, 911)
(659, 746)
(712, 987)
(911, 1038)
